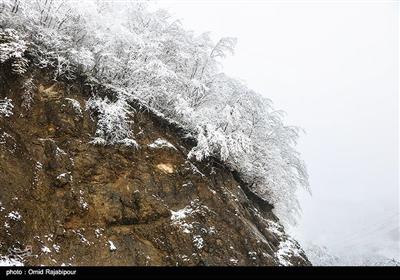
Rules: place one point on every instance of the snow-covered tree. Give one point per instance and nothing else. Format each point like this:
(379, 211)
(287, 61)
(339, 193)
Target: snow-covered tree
(148, 57)
(113, 122)
(322, 256)
(12, 49)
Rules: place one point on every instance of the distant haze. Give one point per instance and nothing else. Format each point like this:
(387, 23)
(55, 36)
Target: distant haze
(333, 67)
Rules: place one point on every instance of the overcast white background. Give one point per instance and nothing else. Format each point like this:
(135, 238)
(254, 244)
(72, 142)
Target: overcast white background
(333, 67)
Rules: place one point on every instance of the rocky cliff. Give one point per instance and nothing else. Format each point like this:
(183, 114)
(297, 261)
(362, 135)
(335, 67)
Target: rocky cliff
(64, 200)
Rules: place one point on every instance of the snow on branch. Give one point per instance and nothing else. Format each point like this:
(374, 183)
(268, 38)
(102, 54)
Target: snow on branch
(148, 57)
(12, 50)
(113, 124)
(6, 107)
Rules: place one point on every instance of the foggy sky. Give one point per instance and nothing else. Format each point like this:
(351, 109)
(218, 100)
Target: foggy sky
(333, 67)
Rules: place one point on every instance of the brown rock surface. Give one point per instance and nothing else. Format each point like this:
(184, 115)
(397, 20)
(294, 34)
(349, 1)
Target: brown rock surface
(83, 204)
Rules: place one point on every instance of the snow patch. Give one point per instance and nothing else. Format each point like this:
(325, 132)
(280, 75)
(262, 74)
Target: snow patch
(56, 247)
(82, 202)
(45, 249)
(253, 255)
(63, 175)
(286, 250)
(198, 241)
(181, 214)
(14, 215)
(112, 246)
(60, 152)
(83, 238)
(7, 261)
(161, 143)
(274, 228)
(98, 232)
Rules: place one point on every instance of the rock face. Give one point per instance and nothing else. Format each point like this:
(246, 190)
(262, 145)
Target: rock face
(67, 201)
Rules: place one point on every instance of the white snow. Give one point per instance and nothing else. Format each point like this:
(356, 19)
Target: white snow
(6, 107)
(181, 214)
(48, 236)
(112, 246)
(60, 152)
(113, 125)
(186, 227)
(82, 202)
(13, 50)
(98, 231)
(62, 175)
(84, 205)
(253, 255)
(83, 238)
(320, 255)
(45, 249)
(228, 120)
(198, 241)
(184, 258)
(287, 248)
(195, 169)
(14, 215)
(161, 143)
(274, 227)
(211, 230)
(188, 184)
(6, 261)
(56, 247)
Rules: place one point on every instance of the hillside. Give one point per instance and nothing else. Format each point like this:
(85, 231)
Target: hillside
(123, 143)
(77, 203)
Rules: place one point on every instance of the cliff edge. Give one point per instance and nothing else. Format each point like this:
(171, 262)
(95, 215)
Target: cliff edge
(66, 201)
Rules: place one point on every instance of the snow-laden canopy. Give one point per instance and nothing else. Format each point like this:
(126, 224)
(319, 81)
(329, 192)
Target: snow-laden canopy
(148, 57)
